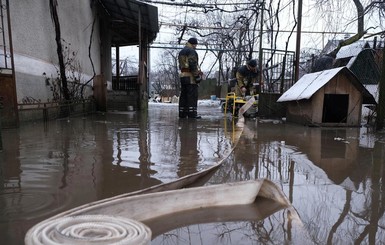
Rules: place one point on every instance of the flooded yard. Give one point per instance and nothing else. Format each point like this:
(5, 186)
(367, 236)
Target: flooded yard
(334, 177)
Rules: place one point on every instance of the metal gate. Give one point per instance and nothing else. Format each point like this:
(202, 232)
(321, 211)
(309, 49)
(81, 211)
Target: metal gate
(278, 70)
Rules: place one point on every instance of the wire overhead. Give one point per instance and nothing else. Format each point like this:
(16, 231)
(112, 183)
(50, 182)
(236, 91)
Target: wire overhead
(195, 5)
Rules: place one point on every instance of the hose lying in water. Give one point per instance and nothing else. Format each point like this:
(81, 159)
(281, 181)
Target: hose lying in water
(92, 229)
(104, 229)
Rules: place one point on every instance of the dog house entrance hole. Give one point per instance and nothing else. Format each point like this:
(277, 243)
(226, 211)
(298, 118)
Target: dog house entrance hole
(335, 109)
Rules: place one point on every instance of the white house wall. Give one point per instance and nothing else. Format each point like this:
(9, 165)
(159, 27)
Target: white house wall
(35, 48)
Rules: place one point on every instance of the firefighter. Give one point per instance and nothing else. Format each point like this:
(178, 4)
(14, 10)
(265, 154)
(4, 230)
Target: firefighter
(247, 76)
(190, 77)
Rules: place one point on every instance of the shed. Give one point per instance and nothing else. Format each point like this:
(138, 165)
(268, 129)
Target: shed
(327, 98)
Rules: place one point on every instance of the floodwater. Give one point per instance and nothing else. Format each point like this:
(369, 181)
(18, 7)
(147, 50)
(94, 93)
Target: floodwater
(334, 177)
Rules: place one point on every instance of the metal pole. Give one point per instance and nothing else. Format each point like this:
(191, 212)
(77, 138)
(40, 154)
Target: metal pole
(3, 28)
(260, 50)
(298, 45)
(117, 61)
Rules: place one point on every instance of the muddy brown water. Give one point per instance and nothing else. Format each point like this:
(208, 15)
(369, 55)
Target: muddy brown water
(334, 177)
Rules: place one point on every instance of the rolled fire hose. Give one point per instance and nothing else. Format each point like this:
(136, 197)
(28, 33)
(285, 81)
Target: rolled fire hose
(92, 229)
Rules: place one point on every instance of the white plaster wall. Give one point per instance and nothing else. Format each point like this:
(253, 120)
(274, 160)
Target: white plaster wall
(34, 43)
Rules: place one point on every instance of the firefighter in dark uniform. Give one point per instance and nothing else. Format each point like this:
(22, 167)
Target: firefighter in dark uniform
(190, 77)
(247, 76)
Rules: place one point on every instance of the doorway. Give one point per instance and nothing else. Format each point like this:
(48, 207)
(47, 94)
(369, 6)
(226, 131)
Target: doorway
(335, 108)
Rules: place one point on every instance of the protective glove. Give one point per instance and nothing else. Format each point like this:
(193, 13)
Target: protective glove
(243, 90)
(198, 79)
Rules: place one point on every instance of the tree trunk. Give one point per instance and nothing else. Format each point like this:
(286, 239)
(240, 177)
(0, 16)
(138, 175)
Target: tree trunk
(360, 17)
(55, 18)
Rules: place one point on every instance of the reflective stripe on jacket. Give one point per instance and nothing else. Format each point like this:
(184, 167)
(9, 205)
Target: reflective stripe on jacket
(188, 60)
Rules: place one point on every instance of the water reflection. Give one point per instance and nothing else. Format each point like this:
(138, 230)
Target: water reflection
(335, 184)
(333, 176)
(52, 167)
(189, 148)
(219, 225)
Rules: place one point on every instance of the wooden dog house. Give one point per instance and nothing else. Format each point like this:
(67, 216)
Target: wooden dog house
(327, 98)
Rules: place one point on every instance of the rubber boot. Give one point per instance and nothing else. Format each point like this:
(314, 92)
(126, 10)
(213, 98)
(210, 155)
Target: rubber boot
(182, 112)
(192, 113)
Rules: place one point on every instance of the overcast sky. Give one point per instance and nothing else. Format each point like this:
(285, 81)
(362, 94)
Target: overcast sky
(313, 20)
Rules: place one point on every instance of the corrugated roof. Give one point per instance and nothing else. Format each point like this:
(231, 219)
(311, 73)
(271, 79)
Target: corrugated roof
(310, 83)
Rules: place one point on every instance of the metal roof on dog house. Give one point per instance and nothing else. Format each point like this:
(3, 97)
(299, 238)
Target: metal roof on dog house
(327, 98)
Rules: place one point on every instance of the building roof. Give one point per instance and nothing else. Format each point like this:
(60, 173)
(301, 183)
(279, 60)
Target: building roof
(352, 50)
(373, 90)
(127, 17)
(330, 46)
(310, 83)
(364, 66)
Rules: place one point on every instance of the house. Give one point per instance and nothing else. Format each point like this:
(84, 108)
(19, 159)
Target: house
(87, 30)
(361, 59)
(327, 98)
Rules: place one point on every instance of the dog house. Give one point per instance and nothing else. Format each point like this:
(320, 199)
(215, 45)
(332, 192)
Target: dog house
(327, 98)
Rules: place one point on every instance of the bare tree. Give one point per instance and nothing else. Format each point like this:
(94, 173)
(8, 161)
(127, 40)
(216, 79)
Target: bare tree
(127, 66)
(165, 78)
(365, 10)
(231, 31)
(55, 18)
(68, 83)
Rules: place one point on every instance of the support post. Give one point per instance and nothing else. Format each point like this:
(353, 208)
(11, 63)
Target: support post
(381, 97)
(298, 44)
(260, 65)
(1, 139)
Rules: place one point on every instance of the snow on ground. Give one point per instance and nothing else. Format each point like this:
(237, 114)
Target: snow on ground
(208, 103)
(214, 103)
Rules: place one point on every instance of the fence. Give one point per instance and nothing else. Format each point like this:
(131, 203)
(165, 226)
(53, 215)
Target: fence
(278, 70)
(125, 83)
(53, 110)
